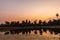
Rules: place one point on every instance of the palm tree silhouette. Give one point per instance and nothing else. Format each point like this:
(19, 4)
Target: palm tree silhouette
(57, 15)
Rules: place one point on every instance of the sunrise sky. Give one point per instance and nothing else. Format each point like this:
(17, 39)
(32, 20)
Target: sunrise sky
(18, 10)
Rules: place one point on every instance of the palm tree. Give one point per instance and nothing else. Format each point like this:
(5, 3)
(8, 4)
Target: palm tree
(40, 22)
(7, 23)
(57, 15)
(35, 22)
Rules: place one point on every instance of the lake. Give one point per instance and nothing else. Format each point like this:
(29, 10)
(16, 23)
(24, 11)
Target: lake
(45, 36)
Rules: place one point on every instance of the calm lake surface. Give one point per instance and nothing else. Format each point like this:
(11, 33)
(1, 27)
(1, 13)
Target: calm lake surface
(46, 36)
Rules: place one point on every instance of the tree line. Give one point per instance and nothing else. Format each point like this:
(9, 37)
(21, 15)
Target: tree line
(28, 23)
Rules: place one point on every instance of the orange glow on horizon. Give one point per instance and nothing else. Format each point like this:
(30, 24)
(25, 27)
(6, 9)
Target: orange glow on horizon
(30, 10)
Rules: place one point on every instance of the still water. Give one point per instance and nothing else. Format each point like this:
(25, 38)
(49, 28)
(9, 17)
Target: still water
(45, 36)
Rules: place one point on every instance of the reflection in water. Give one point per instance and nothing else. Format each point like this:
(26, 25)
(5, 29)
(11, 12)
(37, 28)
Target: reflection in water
(35, 32)
(31, 36)
(47, 33)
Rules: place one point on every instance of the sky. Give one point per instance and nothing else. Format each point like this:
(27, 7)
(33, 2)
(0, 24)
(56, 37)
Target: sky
(18, 10)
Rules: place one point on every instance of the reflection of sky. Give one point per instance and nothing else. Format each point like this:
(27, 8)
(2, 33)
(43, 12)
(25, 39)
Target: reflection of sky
(28, 9)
